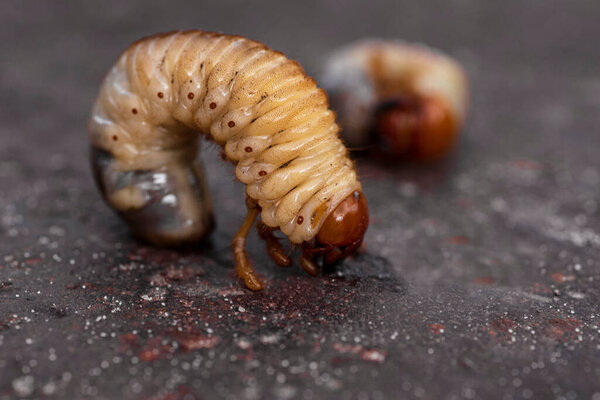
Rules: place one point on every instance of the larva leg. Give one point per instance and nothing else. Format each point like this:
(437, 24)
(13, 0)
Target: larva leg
(307, 263)
(243, 267)
(273, 246)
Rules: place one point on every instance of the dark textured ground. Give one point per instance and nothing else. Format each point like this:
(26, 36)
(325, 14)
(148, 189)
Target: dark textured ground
(480, 278)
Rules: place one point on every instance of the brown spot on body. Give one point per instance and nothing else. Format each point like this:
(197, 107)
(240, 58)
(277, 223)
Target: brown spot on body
(190, 95)
(160, 95)
(134, 110)
(262, 173)
(300, 220)
(213, 105)
(231, 124)
(248, 149)
(115, 138)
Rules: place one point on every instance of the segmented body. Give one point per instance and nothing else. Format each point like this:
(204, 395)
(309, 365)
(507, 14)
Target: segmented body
(270, 118)
(362, 76)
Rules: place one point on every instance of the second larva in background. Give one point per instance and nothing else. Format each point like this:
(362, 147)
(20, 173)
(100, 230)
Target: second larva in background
(401, 100)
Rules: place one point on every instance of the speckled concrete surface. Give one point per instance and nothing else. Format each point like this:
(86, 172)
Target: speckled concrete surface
(480, 276)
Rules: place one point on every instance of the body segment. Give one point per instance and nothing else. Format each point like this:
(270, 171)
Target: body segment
(271, 120)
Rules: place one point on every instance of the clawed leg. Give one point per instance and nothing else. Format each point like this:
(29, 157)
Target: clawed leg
(307, 263)
(245, 270)
(273, 246)
(243, 267)
(280, 257)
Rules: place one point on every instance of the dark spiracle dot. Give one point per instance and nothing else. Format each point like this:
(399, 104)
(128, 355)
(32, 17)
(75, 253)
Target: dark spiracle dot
(248, 149)
(231, 124)
(160, 95)
(262, 173)
(190, 95)
(134, 110)
(115, 138)
(213, 105)
(300, 220)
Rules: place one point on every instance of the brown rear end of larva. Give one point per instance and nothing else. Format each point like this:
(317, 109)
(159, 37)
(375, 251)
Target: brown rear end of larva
(271, 120)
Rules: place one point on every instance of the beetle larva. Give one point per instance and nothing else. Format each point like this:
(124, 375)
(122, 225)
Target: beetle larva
(407, 101)
(270, 119)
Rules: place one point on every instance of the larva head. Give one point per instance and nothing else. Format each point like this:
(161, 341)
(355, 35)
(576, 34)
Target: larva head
(344, 228)
(420, 128)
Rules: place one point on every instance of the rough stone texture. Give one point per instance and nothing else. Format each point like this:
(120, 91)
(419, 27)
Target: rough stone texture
(480, 278)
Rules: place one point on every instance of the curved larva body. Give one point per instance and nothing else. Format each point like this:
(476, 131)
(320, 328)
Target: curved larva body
(363, 76)
(269, 117)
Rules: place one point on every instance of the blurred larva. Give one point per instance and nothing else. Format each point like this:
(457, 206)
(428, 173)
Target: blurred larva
(403, 100)
(269, 117)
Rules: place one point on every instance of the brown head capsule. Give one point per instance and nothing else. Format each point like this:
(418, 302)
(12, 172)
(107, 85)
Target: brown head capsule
(404, 101)
(343, 230)
(151, 177)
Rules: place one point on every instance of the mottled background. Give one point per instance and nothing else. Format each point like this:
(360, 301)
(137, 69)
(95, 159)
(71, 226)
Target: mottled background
(480, 276)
